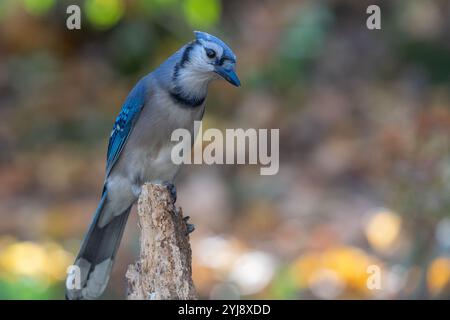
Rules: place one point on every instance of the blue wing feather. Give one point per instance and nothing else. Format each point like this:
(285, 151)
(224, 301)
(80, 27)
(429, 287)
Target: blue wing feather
(125, 122)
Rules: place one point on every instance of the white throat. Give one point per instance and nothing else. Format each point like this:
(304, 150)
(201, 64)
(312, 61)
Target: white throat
(193, 83)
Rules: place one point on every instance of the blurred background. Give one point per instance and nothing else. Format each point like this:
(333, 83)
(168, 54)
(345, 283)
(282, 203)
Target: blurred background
(364, 119)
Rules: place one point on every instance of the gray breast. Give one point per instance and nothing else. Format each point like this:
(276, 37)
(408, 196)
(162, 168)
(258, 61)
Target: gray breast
(146, 156)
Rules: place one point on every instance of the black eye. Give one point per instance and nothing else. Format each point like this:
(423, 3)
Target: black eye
(210, 53)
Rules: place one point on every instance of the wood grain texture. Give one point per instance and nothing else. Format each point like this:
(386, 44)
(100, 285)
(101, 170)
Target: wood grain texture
(163, 271)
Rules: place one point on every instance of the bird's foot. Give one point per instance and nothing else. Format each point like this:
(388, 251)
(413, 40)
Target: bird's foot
(172, 189)
(189, 226)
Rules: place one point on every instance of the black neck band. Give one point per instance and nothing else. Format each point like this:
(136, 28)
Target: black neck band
(190, 102)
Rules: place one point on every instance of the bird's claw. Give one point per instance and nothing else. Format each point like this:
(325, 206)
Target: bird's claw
(189, 226)
(173, 192)
(172, 189)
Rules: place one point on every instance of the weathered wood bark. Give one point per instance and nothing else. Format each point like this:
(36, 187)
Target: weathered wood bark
(163, 270)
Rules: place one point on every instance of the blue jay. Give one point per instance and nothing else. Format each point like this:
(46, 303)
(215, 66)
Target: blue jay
(139, 150)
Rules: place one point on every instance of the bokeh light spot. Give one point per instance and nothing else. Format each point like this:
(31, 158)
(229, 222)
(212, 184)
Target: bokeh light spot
(38, 7)
(202, 13)
(47, 262)
(327, 274)
(383, 230)
(252, 272)
(103, 14)
(25, 258)
(438, 276)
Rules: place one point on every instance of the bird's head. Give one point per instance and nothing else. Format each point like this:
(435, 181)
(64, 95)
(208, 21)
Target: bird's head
(215, 57)
(208, 58)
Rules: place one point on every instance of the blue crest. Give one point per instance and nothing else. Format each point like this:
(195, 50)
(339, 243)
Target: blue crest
(227, 52)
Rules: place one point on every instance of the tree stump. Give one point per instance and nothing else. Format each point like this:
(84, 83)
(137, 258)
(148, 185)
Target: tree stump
(163, 270)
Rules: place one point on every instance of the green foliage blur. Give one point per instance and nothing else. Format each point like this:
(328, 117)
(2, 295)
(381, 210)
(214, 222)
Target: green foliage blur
(364, 119)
